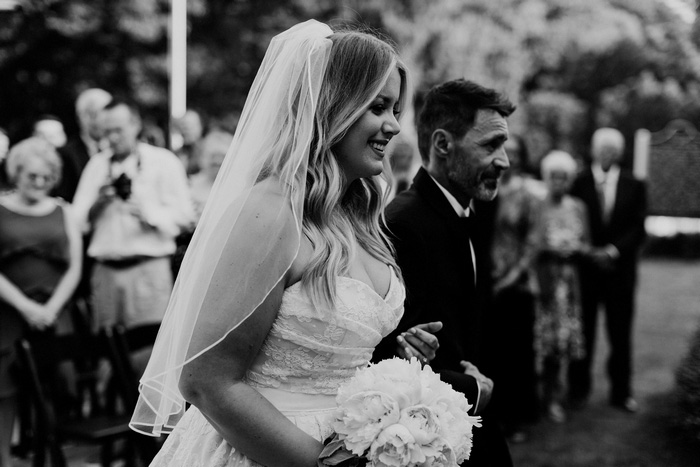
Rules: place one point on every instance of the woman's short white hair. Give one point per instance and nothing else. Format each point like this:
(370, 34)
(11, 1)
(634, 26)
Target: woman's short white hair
(558, 160)
(35, 147)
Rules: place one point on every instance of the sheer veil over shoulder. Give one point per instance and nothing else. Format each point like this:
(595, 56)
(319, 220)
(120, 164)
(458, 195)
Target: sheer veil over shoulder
(265, 168)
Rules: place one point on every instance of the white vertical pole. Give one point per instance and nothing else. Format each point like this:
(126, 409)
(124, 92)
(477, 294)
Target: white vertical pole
(178, 60)
(642, 143)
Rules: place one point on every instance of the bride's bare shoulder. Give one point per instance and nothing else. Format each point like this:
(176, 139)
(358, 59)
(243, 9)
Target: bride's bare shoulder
(268, 201)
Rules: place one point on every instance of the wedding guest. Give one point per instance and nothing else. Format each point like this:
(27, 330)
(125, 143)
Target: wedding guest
(152, 133)
(514, 287)
(79, 148)
(562, 238)
(462, 129)
(212, 152)
(134, 200)
(51, 129)
(191, 129)
(40, 261)
(402, 166)
(617, 204)
(290, 282)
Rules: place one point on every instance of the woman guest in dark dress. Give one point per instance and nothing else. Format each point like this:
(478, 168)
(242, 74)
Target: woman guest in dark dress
(563, 237)
(40, 262)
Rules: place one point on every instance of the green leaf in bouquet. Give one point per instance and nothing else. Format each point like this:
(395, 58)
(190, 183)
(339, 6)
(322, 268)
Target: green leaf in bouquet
(336, 454)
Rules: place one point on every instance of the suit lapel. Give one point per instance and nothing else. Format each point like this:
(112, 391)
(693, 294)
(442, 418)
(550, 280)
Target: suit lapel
(428, 190)
(457, 229)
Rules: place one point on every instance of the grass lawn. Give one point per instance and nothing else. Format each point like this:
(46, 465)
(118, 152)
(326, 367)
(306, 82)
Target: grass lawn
(668, 312)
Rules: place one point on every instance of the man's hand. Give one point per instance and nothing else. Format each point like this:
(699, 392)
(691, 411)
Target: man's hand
(419, 341)
(507, 281)
(105, 196)
(485, 384)
(602, 258)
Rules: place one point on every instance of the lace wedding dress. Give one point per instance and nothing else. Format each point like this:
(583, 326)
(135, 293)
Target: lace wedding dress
(308, 354)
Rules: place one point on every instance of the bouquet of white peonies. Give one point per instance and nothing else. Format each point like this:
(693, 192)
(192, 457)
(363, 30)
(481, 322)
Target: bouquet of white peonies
(397, 413)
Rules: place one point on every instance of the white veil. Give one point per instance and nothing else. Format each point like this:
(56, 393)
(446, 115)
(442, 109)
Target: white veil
(272, 142)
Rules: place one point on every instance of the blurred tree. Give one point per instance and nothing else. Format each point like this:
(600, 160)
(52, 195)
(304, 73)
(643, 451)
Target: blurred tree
(63, 47)
(537, 51)
(631, 38)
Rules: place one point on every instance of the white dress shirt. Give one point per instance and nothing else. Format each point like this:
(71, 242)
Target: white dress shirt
(607, 182)
(461, 212)
(160, 197)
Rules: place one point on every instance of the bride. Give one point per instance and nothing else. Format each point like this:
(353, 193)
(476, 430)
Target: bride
(289, 282)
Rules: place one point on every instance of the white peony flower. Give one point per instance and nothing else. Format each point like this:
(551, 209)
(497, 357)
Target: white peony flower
(397, 413)
(395, 447)
(421, 422)
(362, 417)
(397, 378)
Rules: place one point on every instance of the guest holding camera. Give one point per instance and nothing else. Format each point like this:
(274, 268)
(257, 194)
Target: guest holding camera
(134, 200)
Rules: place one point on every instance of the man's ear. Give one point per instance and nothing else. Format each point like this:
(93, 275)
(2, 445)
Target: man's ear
(442, 142)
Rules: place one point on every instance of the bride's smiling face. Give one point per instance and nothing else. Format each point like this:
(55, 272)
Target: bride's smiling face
(362, 150)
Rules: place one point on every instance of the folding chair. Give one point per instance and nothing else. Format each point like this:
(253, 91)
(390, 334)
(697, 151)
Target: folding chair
(53, 424)
(123, 343)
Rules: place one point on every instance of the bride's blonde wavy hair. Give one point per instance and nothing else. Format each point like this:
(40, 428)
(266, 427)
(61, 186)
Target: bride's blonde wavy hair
(359, 66)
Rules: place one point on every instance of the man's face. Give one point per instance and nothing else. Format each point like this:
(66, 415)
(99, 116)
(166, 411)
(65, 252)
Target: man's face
(90, 120)
(120, 128)
(479, 157)
(606, 155)
(191, 127)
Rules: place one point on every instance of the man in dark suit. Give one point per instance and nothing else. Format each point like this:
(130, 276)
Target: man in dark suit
(616, 203)
(77, 151)
(461, 131)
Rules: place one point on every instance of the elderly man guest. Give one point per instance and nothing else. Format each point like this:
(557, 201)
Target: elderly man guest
(191, 129)
(461, 132)
(79, 148)
(616, 203)
(134, 199)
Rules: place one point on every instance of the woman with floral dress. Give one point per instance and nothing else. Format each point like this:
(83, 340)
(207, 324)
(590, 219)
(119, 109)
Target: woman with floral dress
(562, 238)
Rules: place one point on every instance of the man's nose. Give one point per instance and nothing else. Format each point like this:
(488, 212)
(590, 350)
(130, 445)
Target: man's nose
(501, 161)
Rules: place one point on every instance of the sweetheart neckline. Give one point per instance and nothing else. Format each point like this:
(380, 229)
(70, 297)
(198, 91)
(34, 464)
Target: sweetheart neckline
(392, 279)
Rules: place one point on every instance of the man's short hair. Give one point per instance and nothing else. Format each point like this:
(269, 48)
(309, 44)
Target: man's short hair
(130, 104)
(91, 98)
(452, 106)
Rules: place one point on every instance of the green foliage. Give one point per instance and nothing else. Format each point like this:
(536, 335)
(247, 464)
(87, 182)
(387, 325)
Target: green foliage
(555, 120)
(569, 65)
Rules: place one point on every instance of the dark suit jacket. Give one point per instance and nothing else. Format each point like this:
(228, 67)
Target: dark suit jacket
(432, 250)
(74, 156)
(625, 229)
